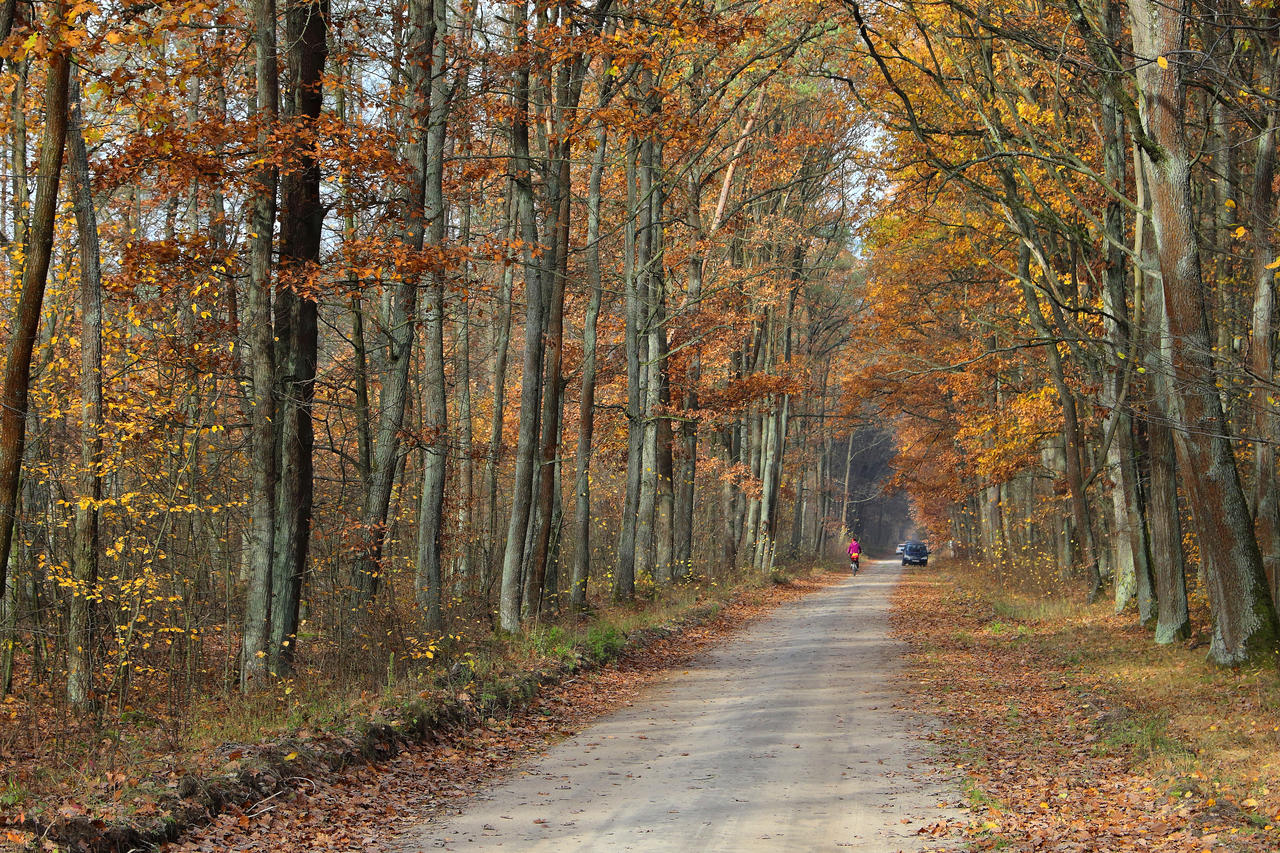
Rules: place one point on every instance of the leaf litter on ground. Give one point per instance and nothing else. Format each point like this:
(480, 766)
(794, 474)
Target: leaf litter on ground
(1049, 753)
(366, 807)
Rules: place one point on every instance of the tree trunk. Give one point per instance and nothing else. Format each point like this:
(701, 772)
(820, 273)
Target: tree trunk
(501, 349)
(297, 323)
(624, 575)
(660, 393)
(1261, 355)
(688, 436)
(262, 218)
(26, 319)
(1244, 619)
(531, 382)
(1172, 622)
(429, 582)
(81, 632)
(559, 198)
(464, 565)
(586, 408)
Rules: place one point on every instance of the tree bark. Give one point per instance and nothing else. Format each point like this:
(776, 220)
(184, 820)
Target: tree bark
(429, 580)
(559, 197)
(1244, 618)
(297, 322)
(502, 348)
(1261, 350)
(624, 575)
(531, 382)
(464, 565)
(586, 408)
(81, 634)
(15, 391)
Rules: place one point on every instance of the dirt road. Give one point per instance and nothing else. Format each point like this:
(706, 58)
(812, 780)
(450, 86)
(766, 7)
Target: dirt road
(786, 738)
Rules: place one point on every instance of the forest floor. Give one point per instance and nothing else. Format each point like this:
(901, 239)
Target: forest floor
(367, 808)
(351, 808)
(1060, 726)
(1074, 731)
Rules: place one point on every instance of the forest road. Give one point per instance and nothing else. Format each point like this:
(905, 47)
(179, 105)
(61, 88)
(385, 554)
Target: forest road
(790, 736)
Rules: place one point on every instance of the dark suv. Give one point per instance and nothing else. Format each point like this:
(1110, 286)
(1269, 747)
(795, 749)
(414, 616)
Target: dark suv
(915, 553)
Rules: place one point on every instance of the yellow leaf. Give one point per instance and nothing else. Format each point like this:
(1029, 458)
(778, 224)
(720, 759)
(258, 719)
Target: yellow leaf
(1241, 231)
(1162, 62)
(114, 37)
(291, 756)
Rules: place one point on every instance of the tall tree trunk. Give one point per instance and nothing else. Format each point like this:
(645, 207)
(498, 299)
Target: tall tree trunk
(1244, 618)
(684, 480)
(429, 581)
(647, 260)
(297, 322)
(661, 566)
(586, 408)
(464, 563)
(531, 381)
(26, 319)
(402, 313)
(559, 197)
(1261, 352)
(1164, 521)
(262, 219)
(755, 436)
(81, 633)
(1172, 622)
(502, 348)
(1133, 568)
(624, 575)
(664, 508)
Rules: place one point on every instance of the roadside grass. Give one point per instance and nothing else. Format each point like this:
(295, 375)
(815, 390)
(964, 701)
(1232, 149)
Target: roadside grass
(120, 766)
(1210, 729)
(1200, 742)
(485, 665)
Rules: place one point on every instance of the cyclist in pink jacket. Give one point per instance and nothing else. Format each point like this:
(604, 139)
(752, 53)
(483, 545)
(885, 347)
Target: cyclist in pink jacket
(855, 551)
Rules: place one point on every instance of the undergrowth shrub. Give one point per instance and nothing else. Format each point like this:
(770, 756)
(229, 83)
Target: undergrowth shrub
(604, 642)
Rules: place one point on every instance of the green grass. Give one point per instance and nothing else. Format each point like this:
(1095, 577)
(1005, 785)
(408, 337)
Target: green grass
(13, 795)
(978, 798)
(1145, 736)
(604, 642)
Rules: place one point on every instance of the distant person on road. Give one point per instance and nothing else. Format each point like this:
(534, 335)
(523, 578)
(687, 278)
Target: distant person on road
(855, 551)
